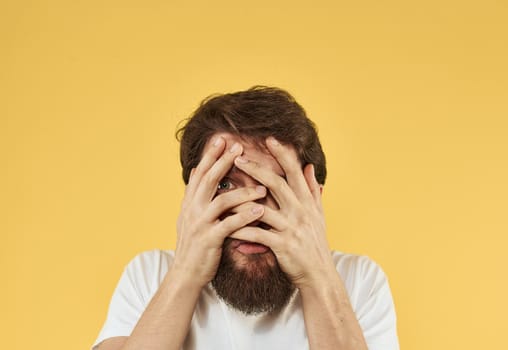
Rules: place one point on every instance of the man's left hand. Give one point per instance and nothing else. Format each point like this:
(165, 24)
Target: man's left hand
(298, 232)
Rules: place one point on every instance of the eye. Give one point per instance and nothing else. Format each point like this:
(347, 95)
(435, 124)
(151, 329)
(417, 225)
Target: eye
(225, 185)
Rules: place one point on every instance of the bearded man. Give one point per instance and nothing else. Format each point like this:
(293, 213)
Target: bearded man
(252, 267)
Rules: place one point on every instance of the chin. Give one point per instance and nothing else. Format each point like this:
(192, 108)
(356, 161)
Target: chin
(251, 283)
(258, 264)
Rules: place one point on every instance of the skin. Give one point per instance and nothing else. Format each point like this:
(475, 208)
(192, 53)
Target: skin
(263, 185)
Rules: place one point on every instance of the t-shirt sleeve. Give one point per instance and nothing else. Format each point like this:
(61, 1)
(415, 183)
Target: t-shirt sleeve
(373, 304)
(132, 294)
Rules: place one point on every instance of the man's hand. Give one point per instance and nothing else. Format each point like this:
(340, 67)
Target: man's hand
(298, 233)
(201, 232)
(298, 239)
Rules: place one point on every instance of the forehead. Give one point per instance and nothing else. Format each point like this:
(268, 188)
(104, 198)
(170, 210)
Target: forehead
(251, 150)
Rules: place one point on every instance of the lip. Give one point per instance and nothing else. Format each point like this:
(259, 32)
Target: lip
(247, 248)
(236, 242)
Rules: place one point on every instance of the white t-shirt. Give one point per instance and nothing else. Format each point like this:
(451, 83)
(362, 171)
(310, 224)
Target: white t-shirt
(214, 325)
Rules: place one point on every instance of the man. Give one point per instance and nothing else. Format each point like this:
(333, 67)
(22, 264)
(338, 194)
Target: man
(252, 267)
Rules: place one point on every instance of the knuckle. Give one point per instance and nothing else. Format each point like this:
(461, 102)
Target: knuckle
(269, 181)
(227, 225)
(210, 178)
(251, 192)
(248, 233)
(253, 235)
(280, 181)
(199, 172)
(291, 245)
(302, 221)
(293, 170)
(212, 175)
(247, 214)
(222, 226)
(207, 159)
(226, 200)
(238, 196)
(278, 184)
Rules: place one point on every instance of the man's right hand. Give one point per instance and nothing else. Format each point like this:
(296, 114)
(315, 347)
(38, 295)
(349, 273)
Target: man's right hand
(200, 230)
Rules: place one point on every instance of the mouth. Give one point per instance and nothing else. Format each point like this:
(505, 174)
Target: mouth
(247, 248)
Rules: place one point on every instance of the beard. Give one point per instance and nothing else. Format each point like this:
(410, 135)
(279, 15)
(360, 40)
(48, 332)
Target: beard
(253, 286)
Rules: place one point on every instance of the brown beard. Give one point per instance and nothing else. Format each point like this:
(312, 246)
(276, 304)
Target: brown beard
(254, 287)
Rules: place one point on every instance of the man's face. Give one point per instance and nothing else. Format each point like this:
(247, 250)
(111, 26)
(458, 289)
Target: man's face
(249, 277)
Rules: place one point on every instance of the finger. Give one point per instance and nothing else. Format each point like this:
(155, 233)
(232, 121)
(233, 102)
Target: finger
(226, 201)
(258, 235)
(193, 170)
(209, 157)
(187, 188)
(278, 187)
(207, 187)
(271, 217)
(235, 222)
(287, 158)
(314, 186)
(275, 219)
(240, 207)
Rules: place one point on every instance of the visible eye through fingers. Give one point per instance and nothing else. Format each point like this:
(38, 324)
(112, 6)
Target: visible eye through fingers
(225, 185)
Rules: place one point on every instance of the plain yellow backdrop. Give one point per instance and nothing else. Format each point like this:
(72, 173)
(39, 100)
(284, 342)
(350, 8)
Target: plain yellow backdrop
(411, 103)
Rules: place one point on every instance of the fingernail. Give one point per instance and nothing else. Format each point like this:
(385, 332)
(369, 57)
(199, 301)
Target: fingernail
(217, 141)
(273, 141)
(257, 209)
(234, 148)
(261, 189)
(242, 160)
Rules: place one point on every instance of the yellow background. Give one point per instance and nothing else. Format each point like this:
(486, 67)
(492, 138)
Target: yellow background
(410, 99)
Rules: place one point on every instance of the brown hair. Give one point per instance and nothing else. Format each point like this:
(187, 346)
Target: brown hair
(256, 114)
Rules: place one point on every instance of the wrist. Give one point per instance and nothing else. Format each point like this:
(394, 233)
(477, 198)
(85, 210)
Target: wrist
(182, 277)
(320, 281)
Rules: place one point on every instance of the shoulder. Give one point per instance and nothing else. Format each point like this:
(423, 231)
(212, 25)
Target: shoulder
(370, 297)
(148, 268)
(360, 274)
(140, 280)
(353, 263)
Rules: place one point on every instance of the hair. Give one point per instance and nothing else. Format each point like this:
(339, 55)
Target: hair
(254, 115)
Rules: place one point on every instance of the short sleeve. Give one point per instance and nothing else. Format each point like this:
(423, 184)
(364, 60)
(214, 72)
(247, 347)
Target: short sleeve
(137, 285)
(372, 301)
